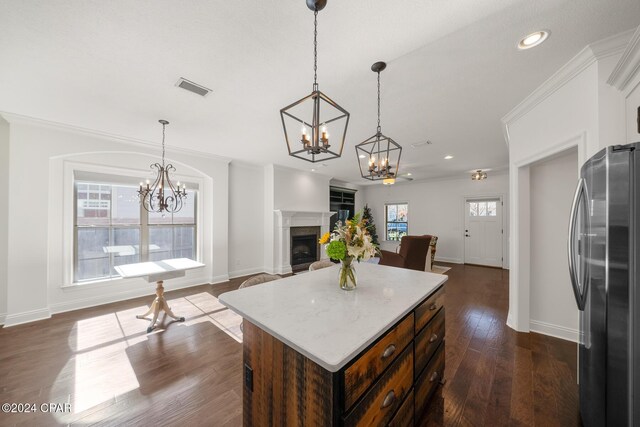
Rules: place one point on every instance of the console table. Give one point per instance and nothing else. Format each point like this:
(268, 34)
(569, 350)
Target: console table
(158, 271)
(317, 355)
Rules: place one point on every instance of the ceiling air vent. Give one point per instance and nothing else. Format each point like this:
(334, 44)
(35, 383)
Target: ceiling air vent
(421, 143)
(192, 87)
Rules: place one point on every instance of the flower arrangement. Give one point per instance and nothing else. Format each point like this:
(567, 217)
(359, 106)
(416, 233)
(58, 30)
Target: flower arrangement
(349, 241)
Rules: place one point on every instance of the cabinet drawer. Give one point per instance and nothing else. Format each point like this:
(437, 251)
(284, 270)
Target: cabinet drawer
(428, 340)
(428, 381)
(366, 369)
(404, 416)
(429, 308)
(380, 403)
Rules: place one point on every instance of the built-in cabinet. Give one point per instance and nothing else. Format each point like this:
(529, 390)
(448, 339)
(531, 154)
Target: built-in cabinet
(343, 202)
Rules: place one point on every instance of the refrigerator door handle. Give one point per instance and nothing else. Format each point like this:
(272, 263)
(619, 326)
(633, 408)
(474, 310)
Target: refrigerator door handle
(579, 292)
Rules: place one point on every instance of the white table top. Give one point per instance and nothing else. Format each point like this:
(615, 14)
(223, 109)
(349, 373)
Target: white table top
(158, 270)
(311, 314)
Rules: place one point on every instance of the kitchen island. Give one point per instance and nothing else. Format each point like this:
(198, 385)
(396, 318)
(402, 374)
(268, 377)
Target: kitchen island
(317, 355)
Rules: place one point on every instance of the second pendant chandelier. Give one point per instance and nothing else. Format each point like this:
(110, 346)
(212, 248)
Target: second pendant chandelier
(379, 156)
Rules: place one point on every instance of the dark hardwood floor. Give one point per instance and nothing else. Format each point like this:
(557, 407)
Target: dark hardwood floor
(496, 376)
(102, 363)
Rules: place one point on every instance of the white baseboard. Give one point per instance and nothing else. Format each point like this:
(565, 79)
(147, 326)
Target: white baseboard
(26, 317)
(219, 279)
(557, 331)
(450, 260)
(80, 303)
(2, 317)
(284, 269)
(246, 272)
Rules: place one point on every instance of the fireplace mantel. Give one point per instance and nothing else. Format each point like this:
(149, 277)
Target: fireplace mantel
(284, 220)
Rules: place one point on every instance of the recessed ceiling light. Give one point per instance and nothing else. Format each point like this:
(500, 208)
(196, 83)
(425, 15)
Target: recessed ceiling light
(362, 156)
(448, 157)
(533, 40)
(313, 170)
(408, 174)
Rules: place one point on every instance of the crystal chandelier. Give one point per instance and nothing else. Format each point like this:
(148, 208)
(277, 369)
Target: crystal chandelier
(162, 195)
(379, 156)
(478, 175)
(306, 122)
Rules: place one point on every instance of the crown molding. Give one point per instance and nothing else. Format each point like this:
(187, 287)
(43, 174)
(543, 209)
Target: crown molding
(629, 65)
(14, 118)
(586, 57)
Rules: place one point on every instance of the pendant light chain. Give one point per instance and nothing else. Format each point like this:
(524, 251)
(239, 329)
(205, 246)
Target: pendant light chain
(163, 127)
(379, 127)
(315, 50)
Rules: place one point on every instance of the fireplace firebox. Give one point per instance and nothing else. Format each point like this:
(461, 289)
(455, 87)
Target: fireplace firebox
(304, 247)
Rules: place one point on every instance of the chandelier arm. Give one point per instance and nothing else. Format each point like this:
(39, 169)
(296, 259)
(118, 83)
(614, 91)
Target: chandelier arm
(154, 195)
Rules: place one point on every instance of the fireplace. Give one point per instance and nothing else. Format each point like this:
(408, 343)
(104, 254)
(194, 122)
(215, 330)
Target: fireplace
(304, 247)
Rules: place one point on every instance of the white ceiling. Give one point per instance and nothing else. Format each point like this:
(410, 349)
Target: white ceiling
(453, 70)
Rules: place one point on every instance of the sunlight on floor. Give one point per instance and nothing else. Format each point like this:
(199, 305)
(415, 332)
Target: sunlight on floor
(101, 372)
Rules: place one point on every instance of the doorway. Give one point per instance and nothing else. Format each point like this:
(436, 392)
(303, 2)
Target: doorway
(483, 231)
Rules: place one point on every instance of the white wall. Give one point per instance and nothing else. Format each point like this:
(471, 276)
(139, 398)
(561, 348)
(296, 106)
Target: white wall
(4, 216)
(552, 305)
(246, 224)
(632, 103)
(437, 207)
(574, 109)
(297, 190)
(38, 154)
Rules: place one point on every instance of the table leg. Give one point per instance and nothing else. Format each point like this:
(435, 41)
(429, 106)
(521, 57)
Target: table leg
(159, 304)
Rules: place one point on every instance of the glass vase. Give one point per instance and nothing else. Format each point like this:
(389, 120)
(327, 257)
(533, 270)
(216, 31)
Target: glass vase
(347, 275)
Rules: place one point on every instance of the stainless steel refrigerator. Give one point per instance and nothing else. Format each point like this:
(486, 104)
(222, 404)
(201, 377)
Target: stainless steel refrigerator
(604, 255)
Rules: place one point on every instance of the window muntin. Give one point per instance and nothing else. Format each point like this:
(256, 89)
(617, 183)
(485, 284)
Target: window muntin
(483, 208)
(396, 221)
(173, 235)
(112, 228)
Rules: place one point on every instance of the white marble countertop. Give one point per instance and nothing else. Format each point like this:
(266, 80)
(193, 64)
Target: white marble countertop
(311, 314)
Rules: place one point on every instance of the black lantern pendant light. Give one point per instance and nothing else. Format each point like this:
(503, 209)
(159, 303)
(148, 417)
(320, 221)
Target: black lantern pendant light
(307, 122)
(379, 156)
(162, 195)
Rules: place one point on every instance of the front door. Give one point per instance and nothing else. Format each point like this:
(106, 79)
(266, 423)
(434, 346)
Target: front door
(483, 232)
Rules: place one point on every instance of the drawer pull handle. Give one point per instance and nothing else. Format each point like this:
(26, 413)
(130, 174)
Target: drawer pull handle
(434, 376)
(433, 306)
(433, 338)
(388, 351)
(388, 399)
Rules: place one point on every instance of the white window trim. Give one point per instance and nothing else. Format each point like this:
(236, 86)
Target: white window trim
(384, 210)
(69, 170)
